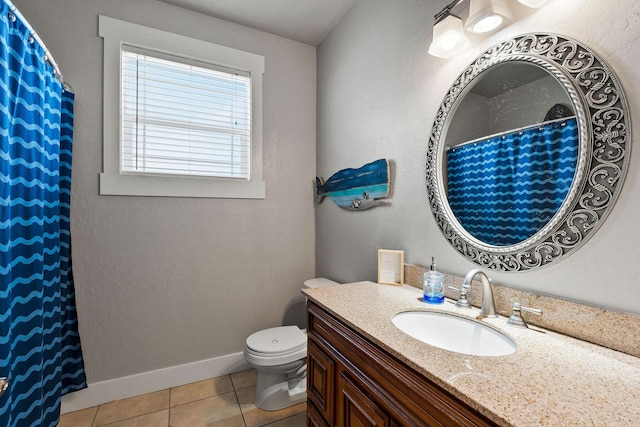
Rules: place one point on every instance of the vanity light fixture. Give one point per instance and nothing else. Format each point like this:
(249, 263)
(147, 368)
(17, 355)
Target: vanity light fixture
(448, 33)
(487, 15)
(483, 16)
(448, 37)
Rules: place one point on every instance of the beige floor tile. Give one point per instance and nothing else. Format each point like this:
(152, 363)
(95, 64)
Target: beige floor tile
(82, 418)
(255, 417)
(154, 419)
(201, 390)
(222, 410)
(244, 379)
(235, 421)
(299, 420)
(120, 410)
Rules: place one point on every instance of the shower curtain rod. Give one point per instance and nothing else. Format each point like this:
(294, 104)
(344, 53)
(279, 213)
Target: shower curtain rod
(520, 129)
(47, 54)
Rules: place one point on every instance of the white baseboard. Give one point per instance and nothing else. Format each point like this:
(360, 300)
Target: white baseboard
(146, 382)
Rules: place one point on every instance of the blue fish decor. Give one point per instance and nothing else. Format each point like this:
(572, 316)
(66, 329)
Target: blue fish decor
(357, 189)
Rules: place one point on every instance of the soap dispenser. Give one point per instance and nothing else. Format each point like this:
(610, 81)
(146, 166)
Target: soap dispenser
(433, 285)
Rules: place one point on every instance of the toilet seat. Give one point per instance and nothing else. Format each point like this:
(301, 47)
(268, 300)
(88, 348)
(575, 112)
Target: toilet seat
(275, 341)
(275, 346)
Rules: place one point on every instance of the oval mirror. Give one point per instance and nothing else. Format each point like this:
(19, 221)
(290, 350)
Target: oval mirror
(528, 152)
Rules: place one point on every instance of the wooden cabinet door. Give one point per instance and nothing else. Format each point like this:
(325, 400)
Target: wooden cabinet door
(320, 380)
(355, 409)
(314, 419)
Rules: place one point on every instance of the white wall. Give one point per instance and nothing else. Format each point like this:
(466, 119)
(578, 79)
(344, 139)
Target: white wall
(167, 281)
(378, 92)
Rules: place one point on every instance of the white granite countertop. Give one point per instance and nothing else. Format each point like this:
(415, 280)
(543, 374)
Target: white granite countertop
(551, 380)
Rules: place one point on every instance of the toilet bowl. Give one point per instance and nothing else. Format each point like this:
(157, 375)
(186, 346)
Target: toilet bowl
(279, 356)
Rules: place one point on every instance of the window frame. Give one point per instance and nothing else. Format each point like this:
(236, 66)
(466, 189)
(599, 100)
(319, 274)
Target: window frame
(117, 33)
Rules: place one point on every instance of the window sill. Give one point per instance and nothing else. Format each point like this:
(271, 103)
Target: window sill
(135, 185)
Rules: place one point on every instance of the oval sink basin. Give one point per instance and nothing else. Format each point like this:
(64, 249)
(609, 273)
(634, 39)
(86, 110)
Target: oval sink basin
(454, 333)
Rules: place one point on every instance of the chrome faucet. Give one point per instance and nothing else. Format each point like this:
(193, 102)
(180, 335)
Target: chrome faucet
(488, 307)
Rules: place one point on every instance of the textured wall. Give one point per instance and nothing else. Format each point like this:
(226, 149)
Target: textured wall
(378, 92)
(166, 281)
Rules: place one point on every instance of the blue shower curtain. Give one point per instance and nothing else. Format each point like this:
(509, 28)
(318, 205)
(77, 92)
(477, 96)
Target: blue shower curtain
(39, 344)
(504, 189)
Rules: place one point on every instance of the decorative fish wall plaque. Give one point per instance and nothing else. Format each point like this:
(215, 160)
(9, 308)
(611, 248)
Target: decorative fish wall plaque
(357, 189)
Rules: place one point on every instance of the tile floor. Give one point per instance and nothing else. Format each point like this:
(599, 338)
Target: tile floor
(225, 401)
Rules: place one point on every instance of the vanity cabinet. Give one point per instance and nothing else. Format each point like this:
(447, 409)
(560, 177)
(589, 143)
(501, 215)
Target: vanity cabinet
(353, 382)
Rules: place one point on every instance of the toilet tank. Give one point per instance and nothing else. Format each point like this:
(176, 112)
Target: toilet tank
(318, 282)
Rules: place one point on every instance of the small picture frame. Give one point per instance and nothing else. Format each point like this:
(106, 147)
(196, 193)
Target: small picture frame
(390, 267)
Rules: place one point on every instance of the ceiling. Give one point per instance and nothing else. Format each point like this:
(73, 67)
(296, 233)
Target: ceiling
(306, 21)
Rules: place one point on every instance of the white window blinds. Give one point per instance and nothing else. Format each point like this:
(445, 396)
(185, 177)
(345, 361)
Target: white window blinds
(181, 117)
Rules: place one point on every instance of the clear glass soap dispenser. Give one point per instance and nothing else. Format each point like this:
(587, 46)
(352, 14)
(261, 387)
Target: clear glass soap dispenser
(433, 285)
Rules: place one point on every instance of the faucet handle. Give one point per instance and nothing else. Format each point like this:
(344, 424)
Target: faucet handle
(462, 302)
(516, 319)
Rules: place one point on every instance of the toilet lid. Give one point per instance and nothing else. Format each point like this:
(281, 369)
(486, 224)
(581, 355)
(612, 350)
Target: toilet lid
(282, 339)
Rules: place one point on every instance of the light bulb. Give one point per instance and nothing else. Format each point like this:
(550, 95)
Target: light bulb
(487, 15)
(487, 24)
(447, 44)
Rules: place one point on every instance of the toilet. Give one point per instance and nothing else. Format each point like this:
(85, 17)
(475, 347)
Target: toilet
(279, 356)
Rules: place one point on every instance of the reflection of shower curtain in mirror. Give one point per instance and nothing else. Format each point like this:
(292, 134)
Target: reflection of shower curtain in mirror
(39, 343)
(505, 189)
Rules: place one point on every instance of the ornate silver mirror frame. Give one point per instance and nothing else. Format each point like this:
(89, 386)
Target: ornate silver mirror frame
(604, 151)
